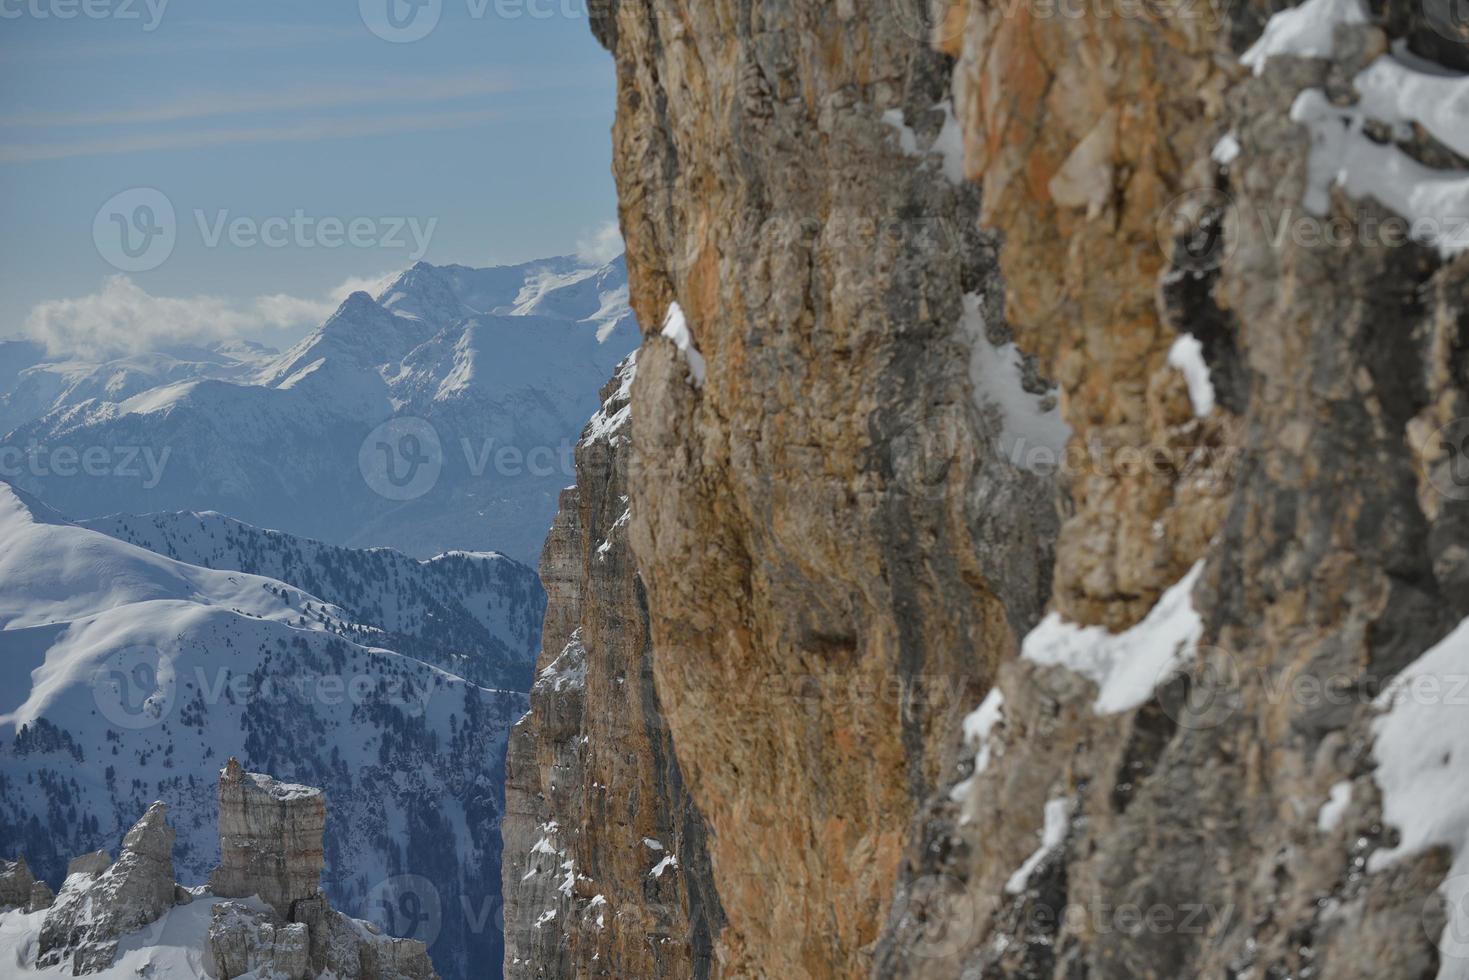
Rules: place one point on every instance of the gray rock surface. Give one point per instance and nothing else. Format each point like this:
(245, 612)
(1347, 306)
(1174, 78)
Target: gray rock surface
(15, 883)
(90, 864)
(41, 897)
(270, 838)
(595, 799)
(244, 939)
(92, 912)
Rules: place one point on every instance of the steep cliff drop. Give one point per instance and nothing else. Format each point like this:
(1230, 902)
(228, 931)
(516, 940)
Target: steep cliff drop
(836, 546)
(1254, 778)
(606, 860)
(1235, 241)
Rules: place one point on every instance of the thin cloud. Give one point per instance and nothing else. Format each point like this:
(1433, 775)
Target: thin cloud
(124, 318)
(208, 36)
(601, 245)
(380, 91)
(311, 131)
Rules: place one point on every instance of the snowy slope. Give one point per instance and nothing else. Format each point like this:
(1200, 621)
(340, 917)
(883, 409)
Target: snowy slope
(492, 371)
(173, 948)
(477, 615)
(33, 384)
(127, 677)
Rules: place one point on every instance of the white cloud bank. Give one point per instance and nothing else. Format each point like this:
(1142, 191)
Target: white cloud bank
(600, 245)
(122, 318)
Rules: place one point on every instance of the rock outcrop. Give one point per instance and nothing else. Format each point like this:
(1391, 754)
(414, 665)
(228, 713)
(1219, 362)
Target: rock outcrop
(15, 883)
(267, 914)
(270, 840)
(837, 549)
(1239, 806)
(606, 866)
(860, 239)
(91, 864)
(93, 911)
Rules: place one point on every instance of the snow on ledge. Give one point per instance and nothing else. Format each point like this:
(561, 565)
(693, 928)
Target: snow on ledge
(1423, 770)
(1126, 666)
(995, 373)
(978, 725)
(676, 329)
(1305, 31)
(1187, 355)
(1330, 814)
(1053, 835)
(1435, 202)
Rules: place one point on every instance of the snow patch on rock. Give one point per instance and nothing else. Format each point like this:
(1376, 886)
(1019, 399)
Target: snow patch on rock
(1126, 666)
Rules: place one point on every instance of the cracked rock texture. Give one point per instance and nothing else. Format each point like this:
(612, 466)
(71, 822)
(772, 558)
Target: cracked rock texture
(606, 867)
(279, 926)
(1334, 560)
(93, 911)
(847, 526)
(837, 553)
(270, 839)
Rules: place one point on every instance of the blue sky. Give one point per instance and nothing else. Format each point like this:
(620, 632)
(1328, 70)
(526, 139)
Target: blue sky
(288, 122)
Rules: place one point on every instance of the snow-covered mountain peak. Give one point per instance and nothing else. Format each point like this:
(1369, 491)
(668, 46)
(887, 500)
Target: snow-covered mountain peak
(489, 373)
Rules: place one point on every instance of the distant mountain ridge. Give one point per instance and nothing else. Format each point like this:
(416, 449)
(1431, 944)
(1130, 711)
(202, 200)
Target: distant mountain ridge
(127, 676)
(471, 385)
(477, 615)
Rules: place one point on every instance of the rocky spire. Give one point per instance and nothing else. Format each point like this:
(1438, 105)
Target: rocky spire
(94, 910)
(270, 839)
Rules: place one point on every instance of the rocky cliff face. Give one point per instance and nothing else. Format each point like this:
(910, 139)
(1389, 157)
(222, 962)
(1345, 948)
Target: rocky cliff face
(606, 862)
(863, 241)
(270, 839)
(836, 549)
(1254, 801)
